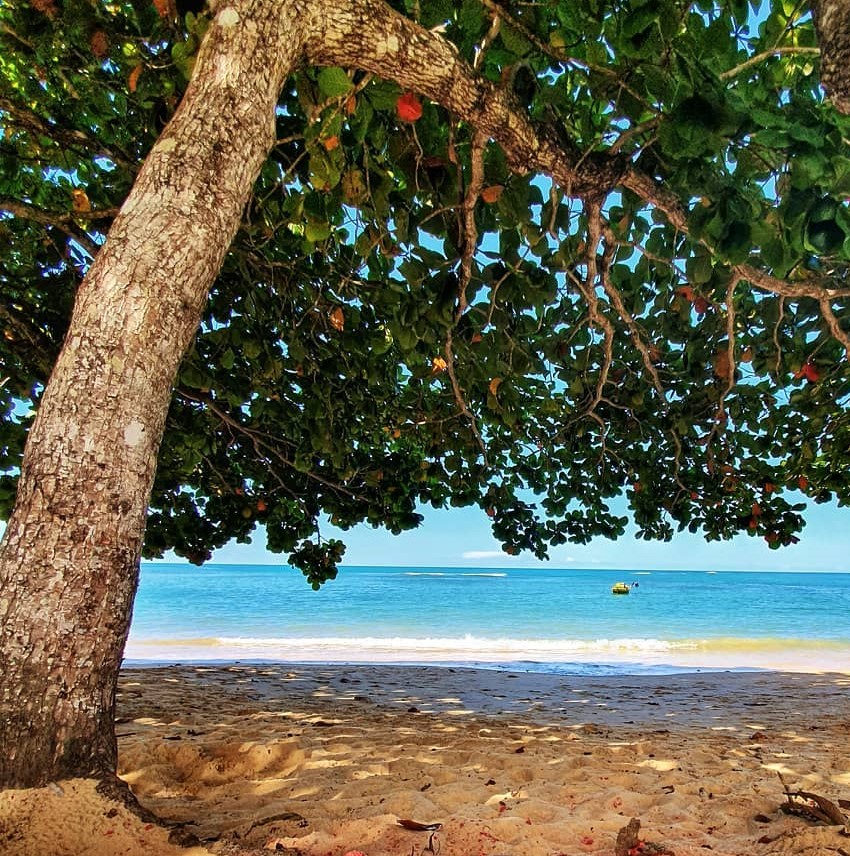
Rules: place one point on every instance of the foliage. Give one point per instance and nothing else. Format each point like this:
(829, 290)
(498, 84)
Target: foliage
(402, 319)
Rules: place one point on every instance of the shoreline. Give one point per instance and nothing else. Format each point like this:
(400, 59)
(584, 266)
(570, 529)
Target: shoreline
(320, 760)
(807, 656)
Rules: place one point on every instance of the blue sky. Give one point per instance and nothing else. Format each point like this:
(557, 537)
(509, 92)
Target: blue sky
(461, 538)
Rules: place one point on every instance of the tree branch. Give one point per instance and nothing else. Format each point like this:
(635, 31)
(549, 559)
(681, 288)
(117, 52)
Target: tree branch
(260, 440)
(458, 394)
(617, 302)
(367, 34)
(588, 291)
(64, 221)
(760, 57)
(29, 121)
(816, 289)
(832, 323)
(41, 350)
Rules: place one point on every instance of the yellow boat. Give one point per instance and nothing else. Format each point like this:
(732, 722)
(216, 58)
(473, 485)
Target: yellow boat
(620, 588)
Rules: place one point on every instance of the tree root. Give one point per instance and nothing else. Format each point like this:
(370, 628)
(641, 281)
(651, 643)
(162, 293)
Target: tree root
(117, 790)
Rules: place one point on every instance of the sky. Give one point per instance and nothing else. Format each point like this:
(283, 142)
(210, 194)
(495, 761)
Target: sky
(462, 538)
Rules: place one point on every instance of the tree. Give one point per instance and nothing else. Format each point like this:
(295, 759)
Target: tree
(455, 252)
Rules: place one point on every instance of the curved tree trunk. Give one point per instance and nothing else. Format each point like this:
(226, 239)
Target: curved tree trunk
(70, 555)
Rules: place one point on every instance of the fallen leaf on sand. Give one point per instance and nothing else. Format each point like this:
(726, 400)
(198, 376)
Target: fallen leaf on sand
(416, 826)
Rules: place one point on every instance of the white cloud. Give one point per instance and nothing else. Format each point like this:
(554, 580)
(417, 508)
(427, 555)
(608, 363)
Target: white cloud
(484, 554)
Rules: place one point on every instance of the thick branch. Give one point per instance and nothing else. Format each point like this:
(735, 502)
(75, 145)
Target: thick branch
(812, 288)
(367, 34)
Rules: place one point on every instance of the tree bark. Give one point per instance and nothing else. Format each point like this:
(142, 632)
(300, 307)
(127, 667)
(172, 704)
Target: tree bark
(70, 555)
(831, 24)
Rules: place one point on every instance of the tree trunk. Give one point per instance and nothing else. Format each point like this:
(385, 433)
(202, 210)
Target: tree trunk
(70, 555)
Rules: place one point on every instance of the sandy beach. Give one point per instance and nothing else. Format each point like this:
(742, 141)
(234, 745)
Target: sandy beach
(324, 760)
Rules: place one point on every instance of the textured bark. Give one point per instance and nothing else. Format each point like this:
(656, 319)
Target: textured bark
(69, 558)
(832, 24)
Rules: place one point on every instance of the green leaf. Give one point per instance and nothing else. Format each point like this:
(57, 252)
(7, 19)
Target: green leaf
(334, 82)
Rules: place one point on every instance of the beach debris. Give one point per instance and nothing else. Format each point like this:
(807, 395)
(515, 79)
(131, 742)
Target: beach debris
(629, 843)
(416, 826)
(627, 838)
(279, 847)
(814, 807)
(433, 846)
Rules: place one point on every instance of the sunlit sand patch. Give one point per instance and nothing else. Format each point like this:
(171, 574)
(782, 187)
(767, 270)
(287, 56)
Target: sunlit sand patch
(662, 765)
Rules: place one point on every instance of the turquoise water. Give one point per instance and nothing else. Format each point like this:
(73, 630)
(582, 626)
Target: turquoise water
(546, 619)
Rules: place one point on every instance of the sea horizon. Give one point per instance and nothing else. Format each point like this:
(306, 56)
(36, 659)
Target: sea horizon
(540, 619)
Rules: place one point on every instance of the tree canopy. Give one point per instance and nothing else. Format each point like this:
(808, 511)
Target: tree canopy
(628, 278)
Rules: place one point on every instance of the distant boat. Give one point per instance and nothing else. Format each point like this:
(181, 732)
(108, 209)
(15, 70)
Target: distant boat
(620, 588)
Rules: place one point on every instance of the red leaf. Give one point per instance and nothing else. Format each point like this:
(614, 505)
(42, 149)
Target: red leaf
(337, 319)
(811, 372)
(133, 79)
(99, 44)
(408, 107)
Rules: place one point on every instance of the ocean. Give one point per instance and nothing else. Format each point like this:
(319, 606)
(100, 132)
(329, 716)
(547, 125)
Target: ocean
(537, 619)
